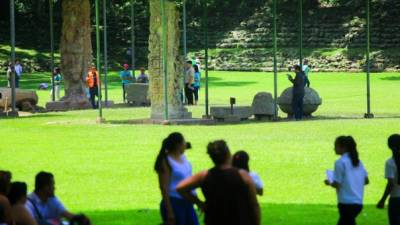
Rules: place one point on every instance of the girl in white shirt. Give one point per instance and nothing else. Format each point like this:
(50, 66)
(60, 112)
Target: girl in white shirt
(349, 180)
(241, 160)
(392, 168)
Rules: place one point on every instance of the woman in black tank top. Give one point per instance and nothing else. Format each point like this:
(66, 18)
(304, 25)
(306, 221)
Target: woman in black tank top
(230, 193)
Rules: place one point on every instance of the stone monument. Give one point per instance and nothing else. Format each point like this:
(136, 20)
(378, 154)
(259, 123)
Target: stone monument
(311, 101)
(174, 63)
(137, 94)
(263, 105)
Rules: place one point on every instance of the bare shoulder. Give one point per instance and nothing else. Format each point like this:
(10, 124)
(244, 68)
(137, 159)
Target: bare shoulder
(245, 176)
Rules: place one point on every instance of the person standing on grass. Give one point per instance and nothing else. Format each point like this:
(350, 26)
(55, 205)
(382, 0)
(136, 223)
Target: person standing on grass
(5, 206)
(241, 161)
(306, 69)
(44, 206)
(392, 168)
(18, 198)
(189, 78)
(349, 180)
(10, 71)
(93, 83)
(126, 78)
(196, 84)
(298, 92)
(229, 192)
(18, 73)
(143, 78)
(173, 167)
(57, 83)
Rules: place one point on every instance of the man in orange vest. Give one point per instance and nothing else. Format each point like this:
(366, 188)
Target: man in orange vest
(93, 83)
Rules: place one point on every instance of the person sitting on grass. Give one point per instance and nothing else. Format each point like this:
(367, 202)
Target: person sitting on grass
(229, 192)
(142, 78)
(5, 182)
(43, 205)
(17, 197)
(241, 161)
(173, 167)
(392, 169)
(349, 180)
(126, 78)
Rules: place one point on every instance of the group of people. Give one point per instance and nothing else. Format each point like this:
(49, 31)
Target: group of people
(17, 69)
(126, 75)
(192, 82)
(41, 207)
(127, 78)
(230, 188)
(300, 81)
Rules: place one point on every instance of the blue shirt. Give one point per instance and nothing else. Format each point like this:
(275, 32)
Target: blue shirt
(197, 79)
(179, 172)
(126, 76)
(51, 210)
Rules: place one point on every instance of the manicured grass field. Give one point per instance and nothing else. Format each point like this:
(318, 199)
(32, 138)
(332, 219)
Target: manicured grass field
(106, 170)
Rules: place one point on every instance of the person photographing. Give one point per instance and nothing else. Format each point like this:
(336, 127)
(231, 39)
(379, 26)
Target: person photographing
(298, 92)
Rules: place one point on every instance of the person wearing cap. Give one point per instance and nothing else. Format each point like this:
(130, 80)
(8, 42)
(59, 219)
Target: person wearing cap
(93, 83)
(126, 78)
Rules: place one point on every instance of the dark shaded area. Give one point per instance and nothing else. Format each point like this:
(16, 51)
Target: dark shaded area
(275, 214)
(392, 78)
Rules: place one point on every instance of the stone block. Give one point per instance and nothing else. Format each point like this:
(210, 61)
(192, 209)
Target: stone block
(225, 113)
(263, 105)
(137, 94)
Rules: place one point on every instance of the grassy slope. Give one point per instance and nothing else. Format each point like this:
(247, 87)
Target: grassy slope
(107, 170)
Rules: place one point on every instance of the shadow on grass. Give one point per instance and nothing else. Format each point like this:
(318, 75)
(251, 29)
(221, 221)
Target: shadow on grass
(391, 78)
(274, 214)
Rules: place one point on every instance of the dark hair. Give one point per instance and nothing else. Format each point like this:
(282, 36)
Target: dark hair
(189, 62)
(241, 160)
(297, 67)
(218, 152)
(17, 191)
(350, 146)
(394, 145)
(196, 68)
(43, 179)
(5, 180)
(2, 214)
(169, 144)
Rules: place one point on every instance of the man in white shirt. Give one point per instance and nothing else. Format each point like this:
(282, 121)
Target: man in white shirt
(18, 72)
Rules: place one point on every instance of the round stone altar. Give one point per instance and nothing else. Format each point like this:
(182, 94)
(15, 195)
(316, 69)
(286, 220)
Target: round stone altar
(311, 101)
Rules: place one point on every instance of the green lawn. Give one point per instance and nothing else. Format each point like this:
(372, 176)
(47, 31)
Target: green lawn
(106, 170)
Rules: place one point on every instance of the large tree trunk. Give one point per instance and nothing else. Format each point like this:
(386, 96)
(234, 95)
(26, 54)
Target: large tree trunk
(175, 65)
(76, 51)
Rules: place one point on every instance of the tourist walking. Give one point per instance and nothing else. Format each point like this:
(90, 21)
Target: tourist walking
(298, 92)
(229, 192)
(196, 84)
(126, 78)
(10, 71)
(57, 83)
(93, 83)
(349, 179)
(241, 161)
(173, 167)
(189, 78)
(306, 69)
(18, 73)
(392, 190)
